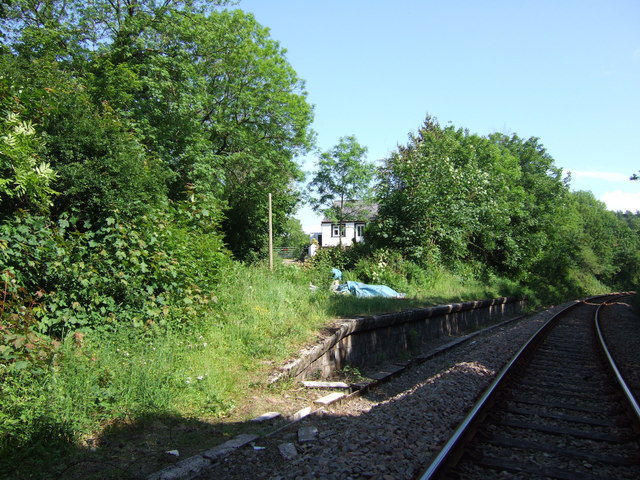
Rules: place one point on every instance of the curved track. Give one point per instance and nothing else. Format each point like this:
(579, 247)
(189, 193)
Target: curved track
(555, 411)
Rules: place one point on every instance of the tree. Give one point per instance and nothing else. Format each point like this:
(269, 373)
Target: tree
(342, 183)
(215, 99)
(432, 197)
(293, 237)
(174, 97)
(101, 166)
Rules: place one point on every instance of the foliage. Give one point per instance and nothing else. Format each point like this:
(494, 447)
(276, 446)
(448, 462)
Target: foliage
(139, 273)
(342, 183)
(21, 346)
(214, 98)
(294, 238)
(25, 178)
(139, 101)
(435, 197)
(497, 205)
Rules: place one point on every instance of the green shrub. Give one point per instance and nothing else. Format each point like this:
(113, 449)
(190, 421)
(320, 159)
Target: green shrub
(157, 270)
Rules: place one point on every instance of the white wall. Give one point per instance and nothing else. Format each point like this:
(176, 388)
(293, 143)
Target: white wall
(347, 239)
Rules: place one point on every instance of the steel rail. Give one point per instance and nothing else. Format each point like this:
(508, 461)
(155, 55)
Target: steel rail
(633, 404)
(444, 457)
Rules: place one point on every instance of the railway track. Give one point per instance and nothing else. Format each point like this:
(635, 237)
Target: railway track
(556, 411)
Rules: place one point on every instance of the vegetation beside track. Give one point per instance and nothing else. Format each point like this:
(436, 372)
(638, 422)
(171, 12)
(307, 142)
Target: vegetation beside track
(134, 173)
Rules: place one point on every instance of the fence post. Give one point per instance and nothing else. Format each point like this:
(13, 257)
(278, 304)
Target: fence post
(270, 236)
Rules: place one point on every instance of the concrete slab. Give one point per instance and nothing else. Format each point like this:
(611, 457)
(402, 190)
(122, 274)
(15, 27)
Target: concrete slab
(329, 399)
(300, 414)
(265, 417)
(314, 384)
(387, 372)
(236, 442)
(184, 469)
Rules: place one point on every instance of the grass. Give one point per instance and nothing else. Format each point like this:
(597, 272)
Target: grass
(201, 373)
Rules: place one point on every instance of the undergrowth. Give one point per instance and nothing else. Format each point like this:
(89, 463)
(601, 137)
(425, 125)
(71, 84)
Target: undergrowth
(216, 345)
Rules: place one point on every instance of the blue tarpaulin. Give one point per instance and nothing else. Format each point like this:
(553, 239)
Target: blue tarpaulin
(363, 290)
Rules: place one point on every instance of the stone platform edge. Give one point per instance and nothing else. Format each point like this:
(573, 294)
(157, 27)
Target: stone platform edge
(347, 327)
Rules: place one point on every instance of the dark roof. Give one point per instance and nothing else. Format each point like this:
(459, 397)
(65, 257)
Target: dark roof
(355, 212)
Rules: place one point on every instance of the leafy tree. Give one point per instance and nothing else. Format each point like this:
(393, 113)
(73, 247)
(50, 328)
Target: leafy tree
(478, 204)
(101, 166)
(203, 100)
(216, 100)
(544, 199)
(342, 183)
(293, 237)
(430, 197)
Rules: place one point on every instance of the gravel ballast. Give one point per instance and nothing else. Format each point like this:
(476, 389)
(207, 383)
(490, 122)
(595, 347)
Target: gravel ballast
(391, 431)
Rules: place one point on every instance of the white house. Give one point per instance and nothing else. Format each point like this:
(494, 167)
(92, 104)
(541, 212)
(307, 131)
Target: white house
(348, 232)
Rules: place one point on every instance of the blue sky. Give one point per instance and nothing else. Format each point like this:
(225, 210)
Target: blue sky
(567, 72)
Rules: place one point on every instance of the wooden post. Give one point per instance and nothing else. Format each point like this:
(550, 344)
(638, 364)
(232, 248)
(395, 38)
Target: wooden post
(270, 236)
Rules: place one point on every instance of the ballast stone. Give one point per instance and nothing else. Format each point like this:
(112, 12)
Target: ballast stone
(307, 434)
(288, 451)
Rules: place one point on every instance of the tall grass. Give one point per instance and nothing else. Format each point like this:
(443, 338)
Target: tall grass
(258, 319)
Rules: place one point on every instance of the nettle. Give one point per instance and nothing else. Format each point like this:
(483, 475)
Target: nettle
(21, 346)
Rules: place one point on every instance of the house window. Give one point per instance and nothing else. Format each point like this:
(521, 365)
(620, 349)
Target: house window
(360, 230)
(337, 230)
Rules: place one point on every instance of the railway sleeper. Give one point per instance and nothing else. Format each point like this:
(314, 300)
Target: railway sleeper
(557, 351)
(563, 417)
(555, 391)
(510, 465)
(573, 432)
(578, 370)
(572, 381)
(554, 403)
(592, 457)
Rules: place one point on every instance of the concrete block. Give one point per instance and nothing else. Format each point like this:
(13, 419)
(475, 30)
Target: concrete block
(313, 384)
(300, 414)
(184, 469)
(236, 442)
(265, 417)
(329, 399)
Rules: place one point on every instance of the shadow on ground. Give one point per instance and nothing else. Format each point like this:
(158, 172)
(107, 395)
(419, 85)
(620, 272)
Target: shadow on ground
(123, 450)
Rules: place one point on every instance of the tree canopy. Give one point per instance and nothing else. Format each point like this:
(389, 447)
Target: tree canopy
(496, 205)
(343, 179)
(149, 100)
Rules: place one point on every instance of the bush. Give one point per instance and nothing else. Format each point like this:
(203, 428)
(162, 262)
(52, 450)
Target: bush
(157, 270)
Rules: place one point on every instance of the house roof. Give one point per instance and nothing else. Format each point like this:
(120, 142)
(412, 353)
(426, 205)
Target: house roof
(355, 212)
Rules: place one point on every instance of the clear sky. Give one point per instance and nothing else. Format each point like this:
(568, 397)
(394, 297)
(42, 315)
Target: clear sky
(566, 71)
